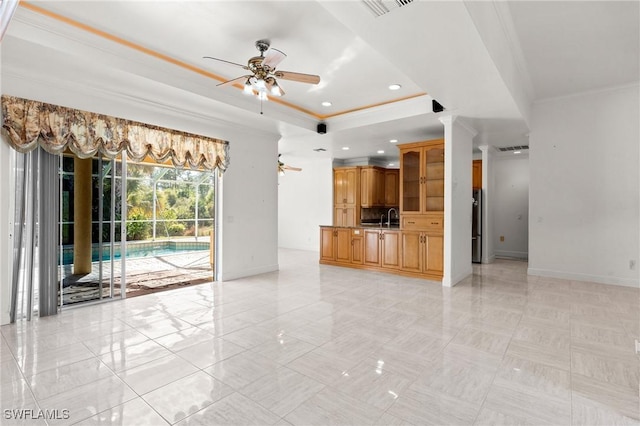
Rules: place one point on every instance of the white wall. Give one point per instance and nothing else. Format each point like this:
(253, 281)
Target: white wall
(250, 184)
(458, 145)
(250, 209)
(584, 187)
(305, 201)
(511, 206)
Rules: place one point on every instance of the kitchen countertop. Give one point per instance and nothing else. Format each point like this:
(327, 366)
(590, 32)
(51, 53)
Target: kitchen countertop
(366, 226)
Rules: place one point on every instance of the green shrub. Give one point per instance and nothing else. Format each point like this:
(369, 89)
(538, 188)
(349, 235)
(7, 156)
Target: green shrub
(176, 229)
(137, 230)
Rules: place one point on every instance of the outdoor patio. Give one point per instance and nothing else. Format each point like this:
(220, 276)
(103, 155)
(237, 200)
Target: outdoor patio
(144, 275)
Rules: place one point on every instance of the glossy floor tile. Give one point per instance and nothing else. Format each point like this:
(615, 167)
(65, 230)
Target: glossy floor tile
(319, 345)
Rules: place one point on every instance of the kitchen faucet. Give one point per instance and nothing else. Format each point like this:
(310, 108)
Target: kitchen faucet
(389, 216)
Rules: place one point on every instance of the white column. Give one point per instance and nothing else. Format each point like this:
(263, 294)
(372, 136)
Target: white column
(488, 250)
(458, 151)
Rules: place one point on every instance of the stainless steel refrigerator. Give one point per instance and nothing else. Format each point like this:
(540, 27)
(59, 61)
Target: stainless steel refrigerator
(476, 227)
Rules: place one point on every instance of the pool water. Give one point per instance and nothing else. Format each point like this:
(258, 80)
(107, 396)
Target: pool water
(142, 250)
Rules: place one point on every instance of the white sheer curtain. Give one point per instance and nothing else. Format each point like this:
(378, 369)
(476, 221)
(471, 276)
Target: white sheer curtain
(34, 286)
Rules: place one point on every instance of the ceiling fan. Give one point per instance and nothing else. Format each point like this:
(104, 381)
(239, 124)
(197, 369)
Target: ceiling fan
(282, 167)
(263, 76)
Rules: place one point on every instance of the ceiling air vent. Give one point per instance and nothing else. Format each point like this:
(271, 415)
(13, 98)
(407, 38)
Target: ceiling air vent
(382, 7)
(512, 148)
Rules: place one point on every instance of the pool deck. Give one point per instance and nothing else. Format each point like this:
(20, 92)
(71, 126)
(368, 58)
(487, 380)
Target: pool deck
(143, 275)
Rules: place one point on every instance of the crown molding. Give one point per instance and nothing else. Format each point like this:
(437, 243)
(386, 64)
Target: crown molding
(634, 85)
(515, 46)
(33, 87)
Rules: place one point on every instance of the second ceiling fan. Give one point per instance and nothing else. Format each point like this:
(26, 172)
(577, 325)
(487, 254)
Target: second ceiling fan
(263, 77)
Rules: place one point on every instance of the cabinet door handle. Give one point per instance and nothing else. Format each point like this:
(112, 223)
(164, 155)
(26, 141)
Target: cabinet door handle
(434, 223)
(410, 222)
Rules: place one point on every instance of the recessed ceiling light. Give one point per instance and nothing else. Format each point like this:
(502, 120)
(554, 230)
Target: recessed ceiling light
(345, 148)
(380, 151)
(326, 104)
(516, 152)
(391, 164)
(393, 140)
(394, 87)
(319, 149)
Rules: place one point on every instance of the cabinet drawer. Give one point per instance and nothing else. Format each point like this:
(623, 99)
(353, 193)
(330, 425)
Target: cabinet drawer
(423, 222)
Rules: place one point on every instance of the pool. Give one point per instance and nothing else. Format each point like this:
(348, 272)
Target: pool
(139, 249)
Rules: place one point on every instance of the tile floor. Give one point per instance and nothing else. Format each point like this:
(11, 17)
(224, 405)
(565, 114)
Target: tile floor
(320, 345)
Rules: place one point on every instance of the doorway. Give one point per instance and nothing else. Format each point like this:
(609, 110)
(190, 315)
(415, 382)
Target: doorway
(128, 229)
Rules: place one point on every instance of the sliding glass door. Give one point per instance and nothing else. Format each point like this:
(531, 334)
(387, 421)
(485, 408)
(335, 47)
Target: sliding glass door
(130, 229)
(91, 206)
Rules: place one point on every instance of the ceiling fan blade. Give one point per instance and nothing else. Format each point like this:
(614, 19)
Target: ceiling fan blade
(226, 62)
(225, 83)
(293, 169)
(273, 58)
(296, 76)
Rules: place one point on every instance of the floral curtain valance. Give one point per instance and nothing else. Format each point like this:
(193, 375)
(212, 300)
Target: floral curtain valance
(27, 124)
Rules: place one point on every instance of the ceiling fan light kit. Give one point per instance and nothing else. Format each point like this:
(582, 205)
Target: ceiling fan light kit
(262, 81)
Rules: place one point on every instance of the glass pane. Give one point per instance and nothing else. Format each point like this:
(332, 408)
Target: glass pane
(86, 276)
(205, 202)
(411, 181)
(434, 172)
(205, 227)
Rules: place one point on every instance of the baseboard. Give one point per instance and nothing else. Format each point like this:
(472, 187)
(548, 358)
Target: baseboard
(512, 254)
(490, 259)
(234, 275)
(457, 278)
(626, 282)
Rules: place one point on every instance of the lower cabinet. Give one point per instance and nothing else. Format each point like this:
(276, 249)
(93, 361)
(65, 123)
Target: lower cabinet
(412, 252)
(341, 245)
(382, 248)
(422, 253)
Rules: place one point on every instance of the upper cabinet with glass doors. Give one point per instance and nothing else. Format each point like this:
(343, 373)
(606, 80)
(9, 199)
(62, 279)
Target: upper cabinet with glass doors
(422, 177)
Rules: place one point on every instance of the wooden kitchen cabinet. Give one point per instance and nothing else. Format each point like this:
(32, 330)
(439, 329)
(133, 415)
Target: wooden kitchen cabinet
(341, 245)
(391, 188)
(477, 174)
(327, 244)
(357, 247)
(345, 216)
(382, 248)
(422, 253)
(412, 251)
(346, 181)
(434, 245)
(390, 249)
(346, 196)
(372, 247)
(335, 244)
(422, 177)
(372, 186)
